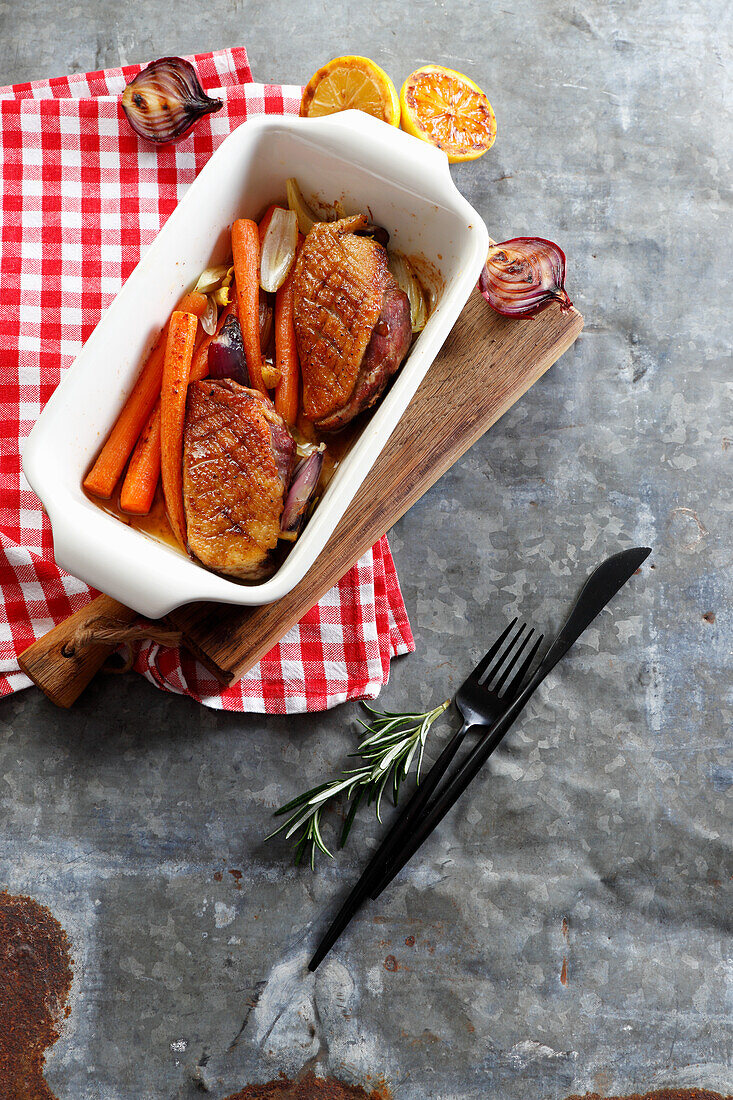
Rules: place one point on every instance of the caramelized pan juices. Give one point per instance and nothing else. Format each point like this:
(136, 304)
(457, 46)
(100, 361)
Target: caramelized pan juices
(258, 385)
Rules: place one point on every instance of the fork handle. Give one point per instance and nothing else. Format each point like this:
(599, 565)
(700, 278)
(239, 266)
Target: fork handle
(376, 866)
(417, 803)
(471, 764)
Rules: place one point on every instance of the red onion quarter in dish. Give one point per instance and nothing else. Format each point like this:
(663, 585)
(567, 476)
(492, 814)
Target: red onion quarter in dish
(300, 494)
(227, 358)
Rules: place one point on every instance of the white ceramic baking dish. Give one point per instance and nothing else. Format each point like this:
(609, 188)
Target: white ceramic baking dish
(407, 187)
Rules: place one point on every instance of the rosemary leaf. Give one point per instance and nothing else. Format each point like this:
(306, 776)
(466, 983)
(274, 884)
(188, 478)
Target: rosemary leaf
(299, 800)
(382, 785)
(350, 817)
(387, 753)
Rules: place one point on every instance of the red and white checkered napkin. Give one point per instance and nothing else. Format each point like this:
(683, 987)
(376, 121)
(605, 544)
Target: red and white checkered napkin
(80, 198)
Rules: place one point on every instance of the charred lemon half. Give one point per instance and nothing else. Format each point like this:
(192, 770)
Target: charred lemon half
(449, 110)
(351, 83)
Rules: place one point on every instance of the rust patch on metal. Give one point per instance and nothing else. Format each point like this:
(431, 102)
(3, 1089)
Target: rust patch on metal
(310, 1087)
(35, 980)
(689, 526)
(660, 1094)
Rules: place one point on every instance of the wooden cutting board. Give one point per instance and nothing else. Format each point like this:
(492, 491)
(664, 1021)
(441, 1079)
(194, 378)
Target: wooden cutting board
(485, 365)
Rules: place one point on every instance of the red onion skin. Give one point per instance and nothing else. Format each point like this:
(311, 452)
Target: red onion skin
(266, 322)
(302, 487)
(190, 109)
(227, 358)
(376, 232)
(538, 299)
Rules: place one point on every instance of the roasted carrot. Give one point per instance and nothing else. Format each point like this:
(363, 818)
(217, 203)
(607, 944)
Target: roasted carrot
(246, 252)
(111, 460)
(286, 353)
(176, 371)
(265, 222)
(143, 471)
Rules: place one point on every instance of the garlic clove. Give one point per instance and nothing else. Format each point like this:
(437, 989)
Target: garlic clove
(210, 316)
(408, 281)
(278, 249)
(165, 100)
(211, 279)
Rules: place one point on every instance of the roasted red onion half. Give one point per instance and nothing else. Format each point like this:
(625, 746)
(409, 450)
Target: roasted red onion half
(523, 276)
(164, 101)
(377, 232)
(301, 492)
(227, 358)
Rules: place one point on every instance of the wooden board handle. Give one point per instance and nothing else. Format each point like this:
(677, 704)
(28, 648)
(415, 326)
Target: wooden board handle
(61, 667)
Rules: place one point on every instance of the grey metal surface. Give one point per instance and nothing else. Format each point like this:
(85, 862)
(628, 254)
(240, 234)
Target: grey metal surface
(596, 848)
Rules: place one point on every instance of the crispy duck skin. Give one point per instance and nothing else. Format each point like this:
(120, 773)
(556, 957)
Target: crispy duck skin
(389, 344)
(344, 295)
(238, 459)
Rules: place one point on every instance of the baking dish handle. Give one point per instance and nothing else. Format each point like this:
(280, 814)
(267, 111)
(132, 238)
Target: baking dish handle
(348, 129)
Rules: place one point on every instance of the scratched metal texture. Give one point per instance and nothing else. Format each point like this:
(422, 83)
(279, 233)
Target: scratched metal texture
(569, 926)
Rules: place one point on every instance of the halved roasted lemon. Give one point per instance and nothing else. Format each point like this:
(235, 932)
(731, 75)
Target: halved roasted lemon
(351, 82)
(449, 110)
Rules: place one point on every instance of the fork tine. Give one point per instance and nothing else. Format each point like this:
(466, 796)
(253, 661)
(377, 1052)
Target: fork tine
(484, 663)
(498, 663)
(517, 680)
(512, 662)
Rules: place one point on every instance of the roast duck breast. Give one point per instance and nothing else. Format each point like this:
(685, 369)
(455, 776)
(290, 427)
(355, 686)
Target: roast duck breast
(238, 459)
(352, 322)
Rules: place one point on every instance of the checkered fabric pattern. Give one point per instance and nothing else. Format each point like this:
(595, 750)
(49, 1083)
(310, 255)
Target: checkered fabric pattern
(81, 197)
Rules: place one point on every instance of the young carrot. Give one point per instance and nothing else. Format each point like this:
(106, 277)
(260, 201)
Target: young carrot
(286, 353)
(176, 371)
(265, 222)
(143, 471)
(246, 253)
(111, 460)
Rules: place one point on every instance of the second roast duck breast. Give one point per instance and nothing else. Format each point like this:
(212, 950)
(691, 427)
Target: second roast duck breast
(352, 322)
(238, 458)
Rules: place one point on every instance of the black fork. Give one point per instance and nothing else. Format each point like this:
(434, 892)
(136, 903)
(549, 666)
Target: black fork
(480, 700)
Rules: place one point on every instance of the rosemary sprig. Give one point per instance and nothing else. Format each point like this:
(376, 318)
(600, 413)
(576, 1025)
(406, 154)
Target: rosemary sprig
(387, 752)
